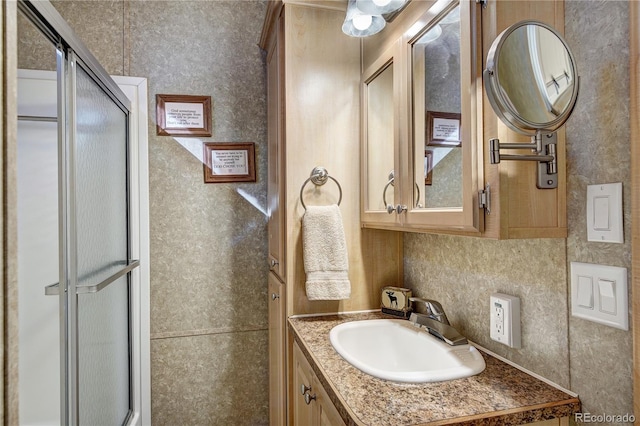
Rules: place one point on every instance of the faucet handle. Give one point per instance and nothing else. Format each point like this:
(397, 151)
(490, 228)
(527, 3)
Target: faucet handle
(434, 309)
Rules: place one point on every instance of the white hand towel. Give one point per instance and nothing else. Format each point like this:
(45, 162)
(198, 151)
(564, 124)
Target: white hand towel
(324, 249)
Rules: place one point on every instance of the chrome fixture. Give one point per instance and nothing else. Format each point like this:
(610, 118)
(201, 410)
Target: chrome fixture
(436, 323)
(365, 17)
(533, 90)
(442, 331)
(399, 208)
(319, 176)
(434, 309)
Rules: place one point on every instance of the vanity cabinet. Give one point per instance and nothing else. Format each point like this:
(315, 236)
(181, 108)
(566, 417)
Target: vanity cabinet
(311, 404)
(426, 125)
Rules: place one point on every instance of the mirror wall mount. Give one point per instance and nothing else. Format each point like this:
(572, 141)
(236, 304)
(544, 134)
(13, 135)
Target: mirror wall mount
(532, 84)
(543, 147)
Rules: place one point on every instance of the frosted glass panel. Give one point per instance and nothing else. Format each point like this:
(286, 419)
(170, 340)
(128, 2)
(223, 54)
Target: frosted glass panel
(101, 209)
(101, 183)
(103, 355)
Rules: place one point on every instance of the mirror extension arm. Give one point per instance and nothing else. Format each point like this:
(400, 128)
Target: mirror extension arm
(543, 147)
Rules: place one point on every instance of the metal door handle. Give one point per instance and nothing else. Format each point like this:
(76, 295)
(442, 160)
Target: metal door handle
(54, 289)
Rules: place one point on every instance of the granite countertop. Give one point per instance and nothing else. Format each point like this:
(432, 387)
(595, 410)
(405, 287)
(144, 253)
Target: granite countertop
(500, 395)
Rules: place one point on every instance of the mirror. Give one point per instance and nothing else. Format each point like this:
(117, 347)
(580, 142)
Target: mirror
(436, 70)
(532, 84)
(380, 138)
(531, 78)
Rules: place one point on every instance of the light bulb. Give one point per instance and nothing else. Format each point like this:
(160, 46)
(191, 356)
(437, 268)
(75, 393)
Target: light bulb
(381, 3)
(362, 22)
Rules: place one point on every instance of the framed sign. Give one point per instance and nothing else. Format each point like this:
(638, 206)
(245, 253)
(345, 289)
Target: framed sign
(428, 167)
(183, 115)
(443, 129)
(229, 162)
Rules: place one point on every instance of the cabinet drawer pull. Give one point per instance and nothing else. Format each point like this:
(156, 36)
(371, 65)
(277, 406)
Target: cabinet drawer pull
(308, 398)
(304, 389)
(273, 263)
(275, 296)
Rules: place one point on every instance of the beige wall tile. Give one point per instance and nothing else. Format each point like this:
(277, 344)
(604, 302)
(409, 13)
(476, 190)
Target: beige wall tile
(218, 379)
(593, 360)
(598, 150)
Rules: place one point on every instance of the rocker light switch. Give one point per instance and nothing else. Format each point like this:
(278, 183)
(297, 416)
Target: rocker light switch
(585, 292)
(599, 294)
(604, 213)
(607, 291)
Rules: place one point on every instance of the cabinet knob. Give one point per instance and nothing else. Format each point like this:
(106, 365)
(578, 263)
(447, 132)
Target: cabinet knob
(397, 209)
(308, 398)
(273, 263)
(275, 296)
(304, 389)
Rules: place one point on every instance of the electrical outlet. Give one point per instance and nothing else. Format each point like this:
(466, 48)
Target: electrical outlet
(505, 320)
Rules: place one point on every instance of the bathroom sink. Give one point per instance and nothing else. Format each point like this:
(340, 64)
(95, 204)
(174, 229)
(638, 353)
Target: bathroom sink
(394, 349)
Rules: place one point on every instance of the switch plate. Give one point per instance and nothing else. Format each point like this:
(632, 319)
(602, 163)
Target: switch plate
(604, 213)
(505, 319)
(599, 294)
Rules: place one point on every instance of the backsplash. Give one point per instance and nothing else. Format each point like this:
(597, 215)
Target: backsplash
(592, 360)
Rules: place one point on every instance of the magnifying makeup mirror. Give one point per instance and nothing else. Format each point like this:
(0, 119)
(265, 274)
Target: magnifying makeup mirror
(532, 84)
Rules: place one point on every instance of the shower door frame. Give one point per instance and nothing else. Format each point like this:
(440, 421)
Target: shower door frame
(70, 48)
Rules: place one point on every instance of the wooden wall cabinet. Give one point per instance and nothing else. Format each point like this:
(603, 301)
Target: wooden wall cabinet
(311, 404)
(273, 43)
(409, 99)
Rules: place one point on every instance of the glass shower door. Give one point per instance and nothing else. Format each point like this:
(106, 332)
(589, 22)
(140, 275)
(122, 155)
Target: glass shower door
(97, 253)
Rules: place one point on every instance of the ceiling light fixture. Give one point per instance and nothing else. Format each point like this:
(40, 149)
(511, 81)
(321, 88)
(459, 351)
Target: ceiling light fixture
(379, 7)
(360, 24)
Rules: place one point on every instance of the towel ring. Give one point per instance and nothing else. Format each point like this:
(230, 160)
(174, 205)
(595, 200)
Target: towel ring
(391, 182)
(319, 177)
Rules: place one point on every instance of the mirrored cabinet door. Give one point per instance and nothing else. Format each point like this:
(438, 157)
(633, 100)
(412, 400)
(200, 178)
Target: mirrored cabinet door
(443, 68)
(380, 133)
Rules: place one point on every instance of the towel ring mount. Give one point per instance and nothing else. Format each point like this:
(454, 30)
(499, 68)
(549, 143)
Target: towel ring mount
(319, 176)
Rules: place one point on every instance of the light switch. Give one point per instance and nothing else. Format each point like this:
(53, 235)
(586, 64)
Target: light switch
(601, 213)
(585, 292)
(604, 213)
(599, 294)
(607, 290)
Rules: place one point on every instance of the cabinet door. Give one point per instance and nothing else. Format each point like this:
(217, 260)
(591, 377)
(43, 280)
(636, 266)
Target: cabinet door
(327, 413)
(275, 152)
(277, 362)
(380, 120)
(303, 412)
(443, 150)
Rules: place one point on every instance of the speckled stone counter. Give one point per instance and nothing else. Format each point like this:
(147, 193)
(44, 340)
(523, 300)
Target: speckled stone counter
(500, 395)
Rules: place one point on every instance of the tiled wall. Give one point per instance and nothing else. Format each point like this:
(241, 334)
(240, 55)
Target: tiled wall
(593, 360)
(208, 241)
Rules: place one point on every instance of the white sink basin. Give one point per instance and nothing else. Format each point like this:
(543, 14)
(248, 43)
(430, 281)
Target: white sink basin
(393, 349)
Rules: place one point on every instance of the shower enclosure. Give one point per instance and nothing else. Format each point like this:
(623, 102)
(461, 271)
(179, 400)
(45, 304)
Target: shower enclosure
(82, 235)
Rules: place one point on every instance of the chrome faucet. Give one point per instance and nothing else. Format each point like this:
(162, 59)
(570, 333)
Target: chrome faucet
(436, 323)
(434, 309)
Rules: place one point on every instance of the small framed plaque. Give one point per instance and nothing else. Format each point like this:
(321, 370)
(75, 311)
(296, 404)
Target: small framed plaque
(229, 162)
(428, 167)
(443, 129)
(183, 115)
